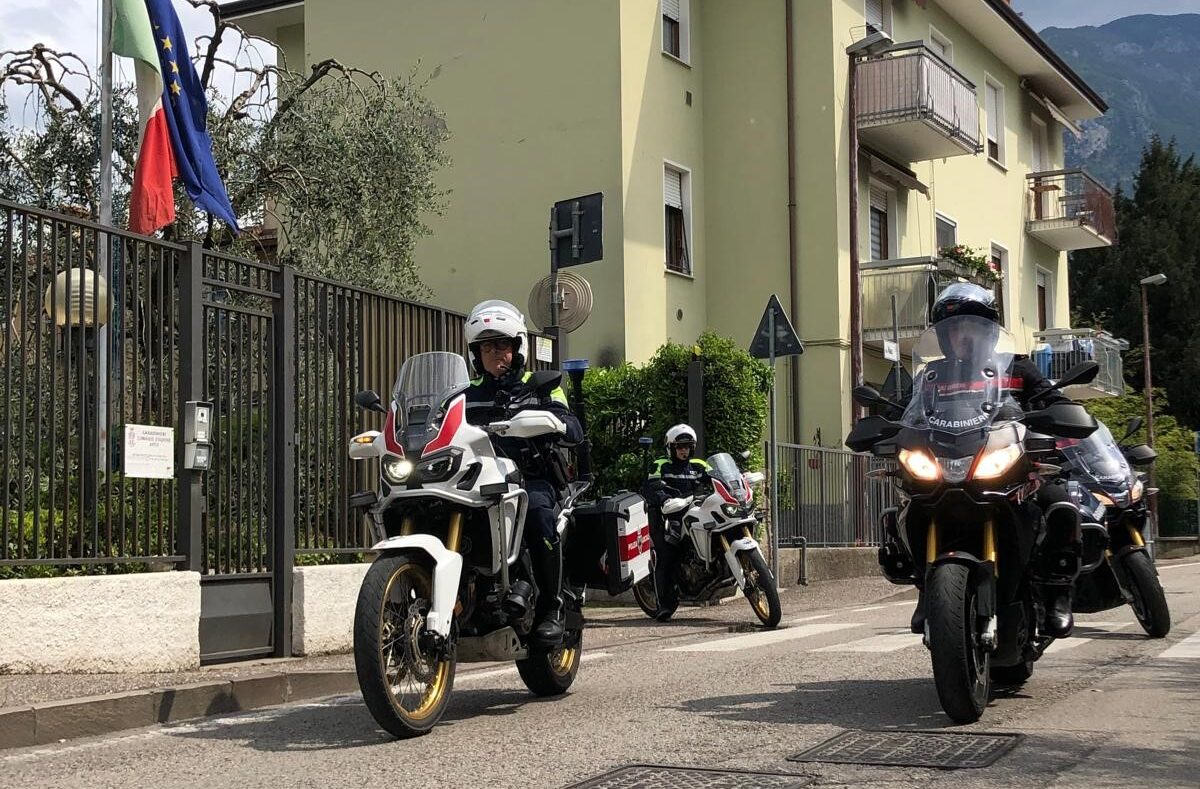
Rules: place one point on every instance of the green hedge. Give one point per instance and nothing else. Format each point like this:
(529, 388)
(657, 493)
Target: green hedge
(627, 402)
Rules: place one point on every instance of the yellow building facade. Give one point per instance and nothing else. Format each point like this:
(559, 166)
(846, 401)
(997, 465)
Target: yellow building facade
(677, 110)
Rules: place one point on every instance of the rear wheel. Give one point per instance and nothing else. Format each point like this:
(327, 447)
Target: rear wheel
(647, 598)
(1149, 601)
(761, 589)
(405, 679)
(552, 673)
(960, 663)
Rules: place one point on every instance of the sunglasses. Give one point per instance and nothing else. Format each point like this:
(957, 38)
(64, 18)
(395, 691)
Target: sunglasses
(496, 346)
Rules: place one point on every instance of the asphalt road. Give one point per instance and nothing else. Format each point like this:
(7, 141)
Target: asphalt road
(1108, 707)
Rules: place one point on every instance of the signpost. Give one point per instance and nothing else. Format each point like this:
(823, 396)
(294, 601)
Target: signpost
(775, 337)
(581, 221)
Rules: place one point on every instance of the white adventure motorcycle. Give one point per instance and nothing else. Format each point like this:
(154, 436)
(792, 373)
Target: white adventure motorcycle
(452, 580)
(718, 549)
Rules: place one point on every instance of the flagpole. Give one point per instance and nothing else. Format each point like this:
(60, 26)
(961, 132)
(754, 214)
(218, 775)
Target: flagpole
(103, 264)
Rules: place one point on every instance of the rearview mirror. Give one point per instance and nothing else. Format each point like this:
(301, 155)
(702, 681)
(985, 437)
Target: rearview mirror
(1082, 373)
(545, 381)
(370, 401)
(1134, 425)
(1068, 420)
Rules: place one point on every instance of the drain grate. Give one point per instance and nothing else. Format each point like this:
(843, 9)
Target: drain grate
(911, 749)
(658, 776)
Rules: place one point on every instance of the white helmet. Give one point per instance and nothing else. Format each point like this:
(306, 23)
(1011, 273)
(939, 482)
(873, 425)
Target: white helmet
(492, 319)
(680, 434)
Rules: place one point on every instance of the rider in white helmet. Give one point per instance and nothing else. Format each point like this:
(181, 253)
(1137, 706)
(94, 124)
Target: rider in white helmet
(678, 474)
(496, 336)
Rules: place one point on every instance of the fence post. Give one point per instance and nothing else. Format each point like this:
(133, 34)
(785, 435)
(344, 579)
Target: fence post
(190, 505)
(283, 449)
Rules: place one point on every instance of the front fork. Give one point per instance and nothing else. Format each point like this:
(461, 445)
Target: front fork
(984, 572)
(732, 549)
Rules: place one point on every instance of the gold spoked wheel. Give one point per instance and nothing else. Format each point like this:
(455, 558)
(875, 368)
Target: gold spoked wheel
(552, 673)
(761, 591)
(405, 678)
(563, 659)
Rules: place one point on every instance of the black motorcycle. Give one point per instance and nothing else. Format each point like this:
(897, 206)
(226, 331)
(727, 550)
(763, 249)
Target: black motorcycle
(1117, 568)
(970, 462)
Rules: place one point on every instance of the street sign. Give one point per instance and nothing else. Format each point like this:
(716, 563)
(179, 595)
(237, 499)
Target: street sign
(891, 350)
(787, 343)
(577, 230)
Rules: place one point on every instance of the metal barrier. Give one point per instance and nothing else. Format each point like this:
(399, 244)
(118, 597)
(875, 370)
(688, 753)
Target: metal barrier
(826, 498)
(1058, 196)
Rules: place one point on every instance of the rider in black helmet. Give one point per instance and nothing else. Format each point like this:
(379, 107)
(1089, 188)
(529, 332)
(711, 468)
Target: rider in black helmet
(1060, 547)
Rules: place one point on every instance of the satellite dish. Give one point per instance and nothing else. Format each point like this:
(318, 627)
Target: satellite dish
(575, 296)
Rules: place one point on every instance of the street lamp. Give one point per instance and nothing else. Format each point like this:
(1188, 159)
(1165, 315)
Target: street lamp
(77, 301)
(1155, 279)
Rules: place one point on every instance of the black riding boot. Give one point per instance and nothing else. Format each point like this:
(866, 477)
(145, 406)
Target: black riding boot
(917, 623)
(1057, 598)
(547, 567)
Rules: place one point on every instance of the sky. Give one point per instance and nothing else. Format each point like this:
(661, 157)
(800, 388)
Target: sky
(73, 25)
(1041, 14)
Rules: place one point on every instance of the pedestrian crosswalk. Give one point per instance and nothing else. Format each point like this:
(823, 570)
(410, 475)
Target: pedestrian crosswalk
(892, 639)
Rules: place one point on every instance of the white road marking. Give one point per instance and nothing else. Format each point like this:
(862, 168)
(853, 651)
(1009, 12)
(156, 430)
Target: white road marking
(1177, 566)
(809, 619)
(1078, 639)
(500, 672)
(890, 642)
(1187, 648)
(764, 637)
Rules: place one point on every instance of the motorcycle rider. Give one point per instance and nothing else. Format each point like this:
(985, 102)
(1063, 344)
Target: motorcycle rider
(679, 474)
(1060, 547)
(496, 336)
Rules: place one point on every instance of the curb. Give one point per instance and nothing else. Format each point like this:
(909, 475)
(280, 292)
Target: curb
(55, 721)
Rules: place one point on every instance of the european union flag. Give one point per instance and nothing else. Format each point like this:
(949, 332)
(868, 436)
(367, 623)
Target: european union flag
(187, 111)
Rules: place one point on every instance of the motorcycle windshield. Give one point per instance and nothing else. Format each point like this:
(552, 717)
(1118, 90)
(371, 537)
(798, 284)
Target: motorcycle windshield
(425, 381)
(962, 378)
(724, 469)
(1097, 459)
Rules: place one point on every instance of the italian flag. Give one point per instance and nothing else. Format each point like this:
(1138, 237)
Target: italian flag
(152, 204)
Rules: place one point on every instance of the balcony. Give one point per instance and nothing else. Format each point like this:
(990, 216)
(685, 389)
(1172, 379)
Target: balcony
(914, 106)
(1058, 350)
(915, 282)
(1068, 209)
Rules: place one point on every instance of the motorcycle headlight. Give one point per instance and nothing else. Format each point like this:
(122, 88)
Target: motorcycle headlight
(955, 470)
(994, 463)
(919, 464)
(395, 469)
(1104, 498)
(1136, 493)
(439, 466)
(731, 510)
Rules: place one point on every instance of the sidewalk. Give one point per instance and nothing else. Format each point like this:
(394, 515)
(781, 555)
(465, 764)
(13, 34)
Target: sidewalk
(40, 709)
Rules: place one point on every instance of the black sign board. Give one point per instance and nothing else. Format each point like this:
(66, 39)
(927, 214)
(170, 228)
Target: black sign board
(787, 343)
(577, 230)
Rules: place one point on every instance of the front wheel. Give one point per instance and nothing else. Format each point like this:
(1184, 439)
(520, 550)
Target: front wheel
(1149, 601)
(760, 589)
(960, 663)
(404, 676)
(552, 673)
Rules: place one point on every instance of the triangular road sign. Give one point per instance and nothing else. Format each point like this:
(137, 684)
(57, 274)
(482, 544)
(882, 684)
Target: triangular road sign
(786, 341)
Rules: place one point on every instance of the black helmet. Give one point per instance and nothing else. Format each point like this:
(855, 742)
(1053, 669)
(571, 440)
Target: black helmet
(965, 298)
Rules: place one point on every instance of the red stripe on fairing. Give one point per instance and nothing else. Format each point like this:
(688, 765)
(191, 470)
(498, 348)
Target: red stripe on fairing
(723, 492)
(450, 426)
(389, 434)
(633, 545)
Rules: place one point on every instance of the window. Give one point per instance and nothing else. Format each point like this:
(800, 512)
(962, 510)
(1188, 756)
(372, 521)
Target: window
(676, 200)
(675, 14)
(999, 262)
(941, 45)
(994, 108)
(878, 14)
(880, 237)
(1045, 300)
(947, 233)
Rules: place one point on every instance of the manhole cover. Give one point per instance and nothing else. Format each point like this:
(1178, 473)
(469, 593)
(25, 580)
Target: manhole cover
(911, 749)
(657, 776)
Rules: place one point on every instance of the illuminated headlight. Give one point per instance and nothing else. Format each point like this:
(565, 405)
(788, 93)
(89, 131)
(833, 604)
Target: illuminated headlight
(1136, 493)
(1104, 498)
(994, 463)
(395, 469)
(920, 465)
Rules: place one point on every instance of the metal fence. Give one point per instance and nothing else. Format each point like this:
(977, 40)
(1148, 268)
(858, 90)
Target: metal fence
(89, 344)
(827, 499)
(1058, 196)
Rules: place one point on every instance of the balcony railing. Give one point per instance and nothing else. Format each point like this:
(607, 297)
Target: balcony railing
(916, 107)
(1068, 209)
(915, 282)
(1058, 350)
